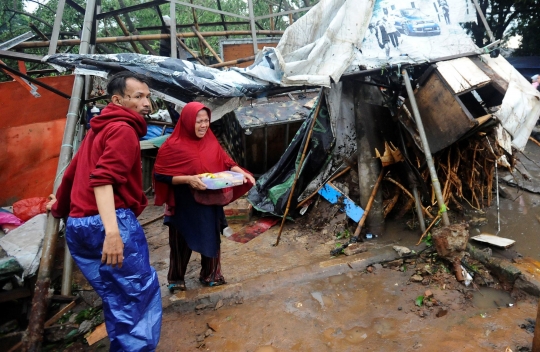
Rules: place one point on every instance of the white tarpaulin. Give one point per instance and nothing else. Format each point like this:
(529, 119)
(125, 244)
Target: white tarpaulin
(339, 35)
(520, 107)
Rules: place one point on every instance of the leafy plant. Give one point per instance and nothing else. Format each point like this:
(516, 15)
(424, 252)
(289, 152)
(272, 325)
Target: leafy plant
(419, 301)
(428, 240)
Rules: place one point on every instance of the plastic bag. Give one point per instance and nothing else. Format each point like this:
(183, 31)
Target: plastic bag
(9, 221)
(26, 209)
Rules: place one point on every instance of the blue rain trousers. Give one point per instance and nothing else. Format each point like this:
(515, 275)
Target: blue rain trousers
(131, 295)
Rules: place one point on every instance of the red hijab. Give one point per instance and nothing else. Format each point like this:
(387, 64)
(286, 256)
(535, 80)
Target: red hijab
(185, 154)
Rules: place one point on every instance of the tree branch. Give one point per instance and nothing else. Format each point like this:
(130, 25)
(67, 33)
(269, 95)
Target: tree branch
(31, 16)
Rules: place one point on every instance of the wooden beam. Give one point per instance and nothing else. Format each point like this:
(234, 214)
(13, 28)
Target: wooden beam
(21, 56)
(223, 22)
(129, 9)
(208, 46)
(126, 33)
(76, 6)
(206, 24)
(233, 62)
(38, 31)
(209, 9)
(69, 42)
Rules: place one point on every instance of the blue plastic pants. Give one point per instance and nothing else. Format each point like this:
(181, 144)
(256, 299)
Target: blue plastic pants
(131, 295)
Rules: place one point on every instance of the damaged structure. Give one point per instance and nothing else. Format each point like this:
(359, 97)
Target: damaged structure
(427, 120)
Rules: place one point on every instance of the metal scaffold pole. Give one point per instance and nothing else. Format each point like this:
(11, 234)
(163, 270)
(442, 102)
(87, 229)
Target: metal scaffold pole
(427, 151)
(33, 340)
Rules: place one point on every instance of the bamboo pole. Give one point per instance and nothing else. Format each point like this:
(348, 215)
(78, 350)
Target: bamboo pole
(233, 62)
(69, 42)
(40, 300)
(308, 138)
(126, 33)
(206, 44)
(409, 194)
(186, 48)
(196, 23)
(369, 204)
(433, 173)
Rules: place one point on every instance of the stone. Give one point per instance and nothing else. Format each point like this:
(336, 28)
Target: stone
(451, 241)
(428, 304)
(428, 294)
(442, 312)
(395, 263)
(214, 325)
(377, 266)
(416, 278)
(219, 304)
(208, 332)
(402, 250)
(85, 326)
(200, 338)
(200, 306)
(356, 248)
(369, 269)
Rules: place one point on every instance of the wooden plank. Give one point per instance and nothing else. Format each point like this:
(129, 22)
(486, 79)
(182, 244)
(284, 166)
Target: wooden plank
(462, 74)
(494, 240)
(241, 50)
(333, 195)
(20, 56)
(98, 334)
(59, 315)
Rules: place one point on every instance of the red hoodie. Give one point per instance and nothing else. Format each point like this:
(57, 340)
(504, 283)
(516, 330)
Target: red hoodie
(109, 155)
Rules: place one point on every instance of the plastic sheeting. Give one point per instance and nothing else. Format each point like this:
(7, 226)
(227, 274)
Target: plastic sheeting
(131, 295)
(25, 242)
(176, 78)
(272, 190)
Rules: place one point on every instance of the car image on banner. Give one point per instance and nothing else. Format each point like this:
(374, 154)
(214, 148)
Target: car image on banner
(415, 31)
(414, 22)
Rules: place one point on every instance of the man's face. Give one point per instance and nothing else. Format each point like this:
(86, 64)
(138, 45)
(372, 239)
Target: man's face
(136, 97)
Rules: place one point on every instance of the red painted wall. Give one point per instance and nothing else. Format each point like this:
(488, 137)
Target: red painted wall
(31, 131)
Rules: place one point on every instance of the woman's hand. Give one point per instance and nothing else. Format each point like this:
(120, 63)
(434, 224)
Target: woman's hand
(50, 203)
(248, 177)
(196, 183)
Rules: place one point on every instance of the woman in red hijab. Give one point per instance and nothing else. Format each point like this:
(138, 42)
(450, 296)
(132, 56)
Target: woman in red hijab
(191, 150)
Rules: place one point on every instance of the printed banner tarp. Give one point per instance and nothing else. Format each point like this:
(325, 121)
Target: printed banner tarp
(416, 31)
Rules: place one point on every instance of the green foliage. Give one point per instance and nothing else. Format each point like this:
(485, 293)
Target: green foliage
(419, 301)
(428, 240)
(343, 234)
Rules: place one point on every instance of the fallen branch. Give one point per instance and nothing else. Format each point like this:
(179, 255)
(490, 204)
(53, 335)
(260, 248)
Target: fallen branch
(429, 228)
(409, 194)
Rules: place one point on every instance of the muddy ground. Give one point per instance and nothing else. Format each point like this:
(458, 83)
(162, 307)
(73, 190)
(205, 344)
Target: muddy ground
(375, 307)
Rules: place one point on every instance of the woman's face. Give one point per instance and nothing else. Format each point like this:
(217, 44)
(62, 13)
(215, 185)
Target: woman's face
(202, 122)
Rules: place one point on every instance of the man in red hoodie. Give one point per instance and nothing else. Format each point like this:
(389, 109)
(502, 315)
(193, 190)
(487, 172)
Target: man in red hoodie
(101, 194)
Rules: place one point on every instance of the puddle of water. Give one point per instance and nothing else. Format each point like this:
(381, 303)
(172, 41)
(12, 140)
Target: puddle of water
(355, 335)
(337, 279)
(384, 327)
(489, 297)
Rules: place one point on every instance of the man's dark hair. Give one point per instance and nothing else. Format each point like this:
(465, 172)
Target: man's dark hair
(117, 83)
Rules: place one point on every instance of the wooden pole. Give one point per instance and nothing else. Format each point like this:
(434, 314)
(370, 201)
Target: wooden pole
(233, 62)
(315, 115)
(186, 48)
(536, 337)
(196, 23)
(272, 25)
(369, 204)
(126, 33)
(70, 42)
(206, 44)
